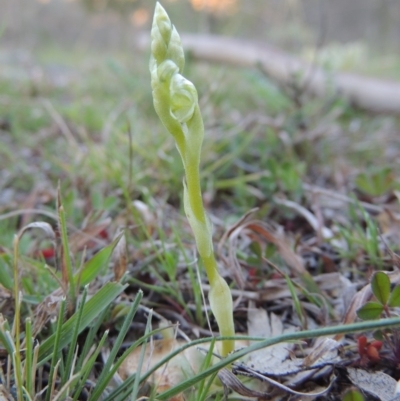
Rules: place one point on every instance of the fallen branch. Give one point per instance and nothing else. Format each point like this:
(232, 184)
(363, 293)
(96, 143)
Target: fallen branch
(373, 95)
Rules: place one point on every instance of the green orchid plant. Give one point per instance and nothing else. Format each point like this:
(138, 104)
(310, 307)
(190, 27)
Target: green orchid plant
(176, 103)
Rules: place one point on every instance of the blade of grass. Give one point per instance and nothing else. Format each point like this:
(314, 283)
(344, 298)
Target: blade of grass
(151, 287)
(92, 268)
(88, 366)
(65, 388)
(136, 383)
(66, 262)
(34, 364)
(54, 380)
(203, 389)
(90, 339)
(203, 395)
(72, 345)
(104, 377)
(296, 302)
(16, 324)
(101, 300)
(28, 357)
(6, 339)
(27, 396)
(56, 350)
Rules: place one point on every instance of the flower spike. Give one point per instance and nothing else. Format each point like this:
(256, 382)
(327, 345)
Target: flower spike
(176, 103)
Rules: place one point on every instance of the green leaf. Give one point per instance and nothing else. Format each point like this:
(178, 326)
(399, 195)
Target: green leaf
(101, 300)
(378, 335)
(380, 285)
(5, 338)
(94, 265)
(5, 271)
(353, 395)
(375, 183)
(371, 310)
(394, 299)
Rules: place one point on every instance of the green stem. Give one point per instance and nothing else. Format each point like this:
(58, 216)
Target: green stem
(196, 203)
(194, 191)
(210, 266)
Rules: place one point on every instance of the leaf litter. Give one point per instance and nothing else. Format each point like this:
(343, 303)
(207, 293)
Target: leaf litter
(278, 365)
(282, 370)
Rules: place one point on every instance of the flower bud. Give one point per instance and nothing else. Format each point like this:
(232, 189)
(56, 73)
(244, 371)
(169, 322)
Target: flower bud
(166, 70)
(160, 34)
(175, 50)
(183, 98)
(163, 22)
(158, 47)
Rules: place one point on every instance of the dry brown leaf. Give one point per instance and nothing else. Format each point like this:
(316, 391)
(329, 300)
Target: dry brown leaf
(289, 256)
(48, 309)
(378, 384)
(120, 258)
(179, 368)
(325, 349)
(232, 235)
(317, 392)
(274, 360)
(232, 260)
(230, 381)
(278, 360)
(45, 227)
(4, 394)
(238, 224)
(88, 236)
(148, 217)
(256, 230)
(277, 288)
(325, 232)
(395, 258)
(176, 371)
(389, 223)
(318, 363)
